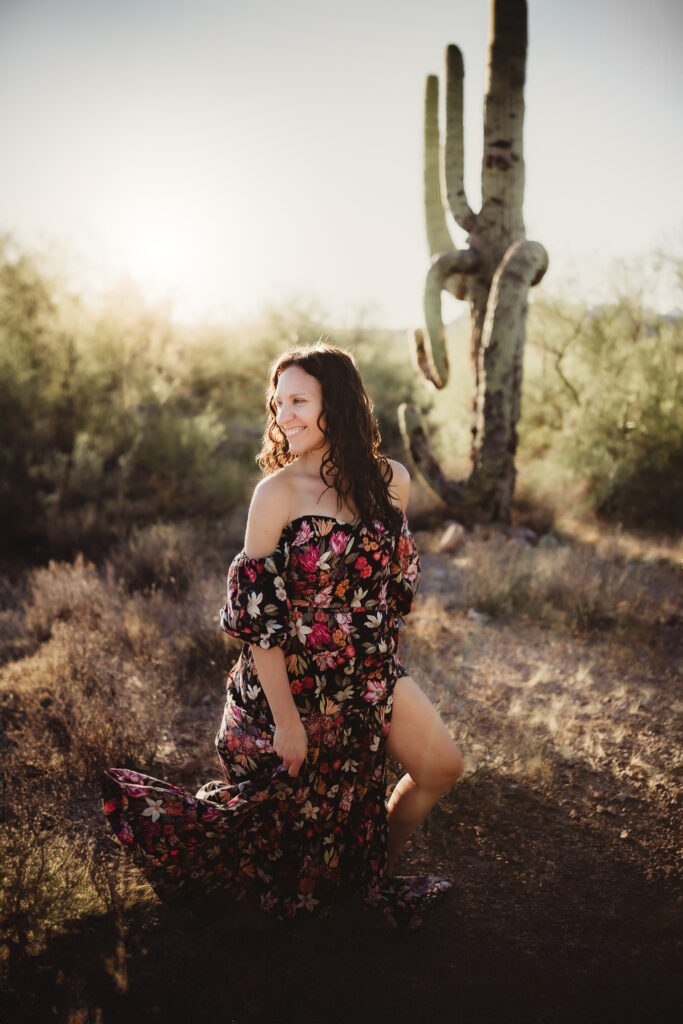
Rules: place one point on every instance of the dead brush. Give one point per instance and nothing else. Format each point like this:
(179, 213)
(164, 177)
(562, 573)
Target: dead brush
(83, 702)
(553, 584)
(63, 591)
(44, 871)
(162, 557)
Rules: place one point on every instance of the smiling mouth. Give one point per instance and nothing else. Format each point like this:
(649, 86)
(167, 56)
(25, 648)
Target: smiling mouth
(295, 432)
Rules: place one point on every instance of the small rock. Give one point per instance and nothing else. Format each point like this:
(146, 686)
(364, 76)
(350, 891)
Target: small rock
(623, 834)
(478, 616)
(523, 534)
(452, 538)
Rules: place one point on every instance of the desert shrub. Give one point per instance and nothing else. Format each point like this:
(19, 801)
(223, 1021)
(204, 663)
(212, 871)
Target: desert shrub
(556, 584)
(115, 418)
(162, 556)
(44, 880)
(60, 592)
(604, 396)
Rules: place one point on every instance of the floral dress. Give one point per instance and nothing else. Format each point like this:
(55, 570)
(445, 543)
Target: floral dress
(331, 595)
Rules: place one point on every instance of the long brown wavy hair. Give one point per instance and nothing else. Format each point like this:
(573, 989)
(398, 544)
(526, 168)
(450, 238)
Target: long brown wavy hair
(353, 460)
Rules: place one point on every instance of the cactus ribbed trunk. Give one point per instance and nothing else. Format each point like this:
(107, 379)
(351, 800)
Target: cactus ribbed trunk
(493, 275)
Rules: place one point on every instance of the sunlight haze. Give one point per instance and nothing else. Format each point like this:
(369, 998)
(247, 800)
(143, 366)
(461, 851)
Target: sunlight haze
(226, 156)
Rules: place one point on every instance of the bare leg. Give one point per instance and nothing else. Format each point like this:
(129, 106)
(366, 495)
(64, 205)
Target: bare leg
(420, 741)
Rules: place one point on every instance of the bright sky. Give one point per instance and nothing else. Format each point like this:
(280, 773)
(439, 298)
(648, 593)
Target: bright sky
(229, 154)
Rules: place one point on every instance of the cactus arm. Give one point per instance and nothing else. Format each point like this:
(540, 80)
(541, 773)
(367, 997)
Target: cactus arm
(416, 440)
(433, 360)
(460, 495)
(502, 349)
(455, 153)
(438, 236)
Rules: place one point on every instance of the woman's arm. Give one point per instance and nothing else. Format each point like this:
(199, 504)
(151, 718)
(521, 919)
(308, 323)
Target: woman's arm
(290, 741)
(268, 514)
(399, 486)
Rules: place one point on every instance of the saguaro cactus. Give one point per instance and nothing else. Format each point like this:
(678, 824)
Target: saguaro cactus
(493, 275)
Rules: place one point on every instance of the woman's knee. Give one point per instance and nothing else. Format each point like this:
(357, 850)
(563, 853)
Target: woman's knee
(441, 770)
(447, 770)
(454, 765)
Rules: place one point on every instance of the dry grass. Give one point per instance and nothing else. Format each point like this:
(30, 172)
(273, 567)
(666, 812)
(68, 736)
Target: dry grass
(100, 665)
(554, 665)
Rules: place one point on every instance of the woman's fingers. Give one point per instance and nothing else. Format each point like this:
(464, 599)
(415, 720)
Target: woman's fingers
(291, 744)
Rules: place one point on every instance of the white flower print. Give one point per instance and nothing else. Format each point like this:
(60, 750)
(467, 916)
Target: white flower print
(154, 809)
(280, 591)
(309, 811)
(345, 694)
(306, 901)
(253, 603)
(300, 631)
(373, 621)
(358, 596)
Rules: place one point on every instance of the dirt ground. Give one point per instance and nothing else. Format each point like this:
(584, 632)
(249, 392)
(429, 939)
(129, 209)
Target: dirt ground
(563, 841)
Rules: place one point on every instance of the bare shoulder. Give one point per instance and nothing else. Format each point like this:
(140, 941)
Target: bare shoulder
(268, 514)
(399, 486)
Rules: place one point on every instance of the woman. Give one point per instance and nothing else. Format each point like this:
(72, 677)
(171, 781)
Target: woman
(318, 696)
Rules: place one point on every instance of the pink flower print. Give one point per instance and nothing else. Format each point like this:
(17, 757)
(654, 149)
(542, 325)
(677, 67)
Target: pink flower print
(126, 834)
(323, 598)
(304, 534)
(320, 634)
(325, 659)
(346, 800)
(344, 621)
(211, 814)
(137, 790)
(249, 573)
(308, 560)
(375, 690)
(410, 572)
(268, 901)
(338, 542)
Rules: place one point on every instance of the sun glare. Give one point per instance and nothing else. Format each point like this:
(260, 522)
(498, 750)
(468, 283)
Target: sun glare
(159, 230)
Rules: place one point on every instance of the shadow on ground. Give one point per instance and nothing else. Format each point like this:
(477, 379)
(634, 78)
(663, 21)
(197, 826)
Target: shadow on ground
(546, 922)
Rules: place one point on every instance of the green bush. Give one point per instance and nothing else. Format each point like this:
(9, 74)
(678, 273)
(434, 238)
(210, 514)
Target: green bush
(114, 419)
(603, 402)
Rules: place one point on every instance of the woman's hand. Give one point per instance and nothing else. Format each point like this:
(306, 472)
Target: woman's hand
(290, 742)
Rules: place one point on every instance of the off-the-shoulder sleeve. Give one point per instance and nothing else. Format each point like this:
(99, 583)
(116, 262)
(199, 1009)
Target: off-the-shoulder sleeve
(405, 573)
(257, 610)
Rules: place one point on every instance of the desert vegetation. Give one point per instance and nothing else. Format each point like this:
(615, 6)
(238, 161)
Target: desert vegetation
(552, 647)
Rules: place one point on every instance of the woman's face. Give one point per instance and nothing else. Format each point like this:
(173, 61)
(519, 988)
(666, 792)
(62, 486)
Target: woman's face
(299, 402)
